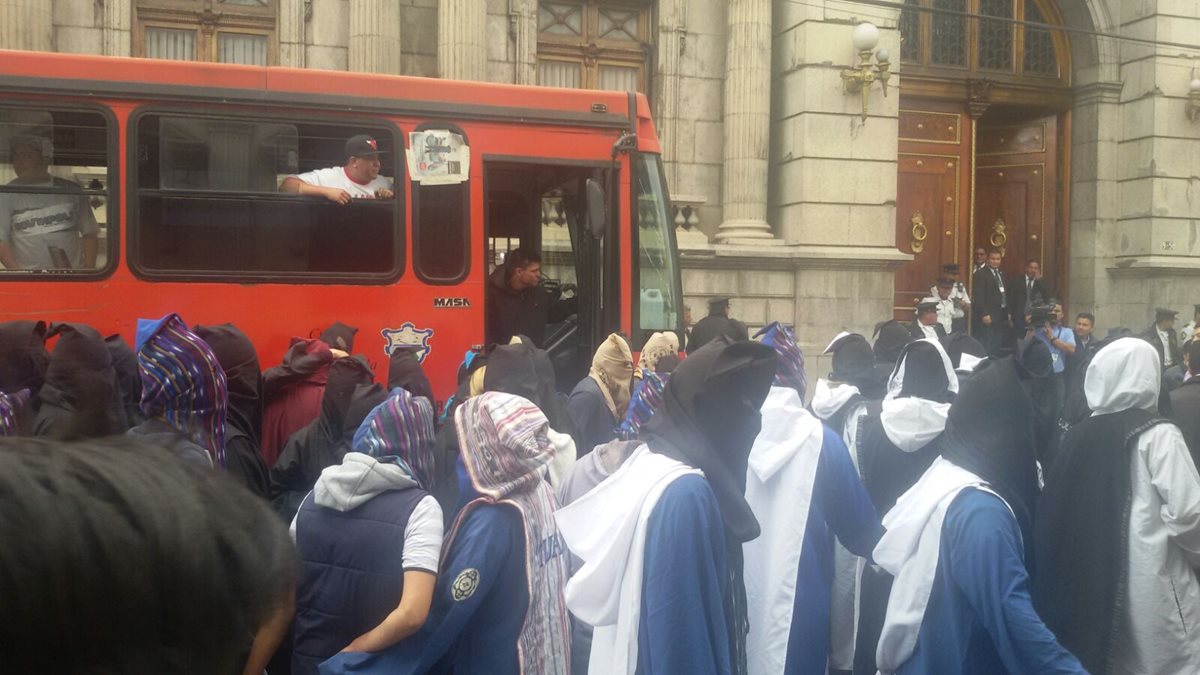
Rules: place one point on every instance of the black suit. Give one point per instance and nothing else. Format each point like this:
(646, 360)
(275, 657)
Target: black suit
(990, 301)
(1151, 336)
(1024, 299)
(914, 329)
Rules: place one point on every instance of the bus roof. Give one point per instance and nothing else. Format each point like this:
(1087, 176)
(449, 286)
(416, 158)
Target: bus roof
(105, 77)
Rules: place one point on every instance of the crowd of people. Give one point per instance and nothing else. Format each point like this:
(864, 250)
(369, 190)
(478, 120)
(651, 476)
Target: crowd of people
(172, 507)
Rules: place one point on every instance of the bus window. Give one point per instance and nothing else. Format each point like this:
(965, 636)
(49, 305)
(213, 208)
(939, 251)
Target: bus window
(657, 277)
(54, 192)
(441, 207)
(209, 205)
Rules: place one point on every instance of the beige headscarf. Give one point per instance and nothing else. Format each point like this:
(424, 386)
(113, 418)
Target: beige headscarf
(658, 346)
(612, 369)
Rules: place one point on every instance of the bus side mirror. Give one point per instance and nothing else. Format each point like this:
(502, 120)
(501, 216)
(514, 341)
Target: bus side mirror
(597, 209)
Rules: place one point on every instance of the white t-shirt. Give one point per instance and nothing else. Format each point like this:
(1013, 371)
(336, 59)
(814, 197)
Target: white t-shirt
(422, 536)
(337, 177)
(34, 223)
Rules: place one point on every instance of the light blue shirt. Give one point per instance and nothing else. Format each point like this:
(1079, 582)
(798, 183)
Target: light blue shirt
(1062, 334)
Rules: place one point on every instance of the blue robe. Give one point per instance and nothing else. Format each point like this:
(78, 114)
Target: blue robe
(980, 619)
(686, 585)
(840, 506)
(477, 633)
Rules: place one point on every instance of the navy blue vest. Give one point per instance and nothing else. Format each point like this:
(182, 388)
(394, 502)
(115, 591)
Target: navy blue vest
(352, 572)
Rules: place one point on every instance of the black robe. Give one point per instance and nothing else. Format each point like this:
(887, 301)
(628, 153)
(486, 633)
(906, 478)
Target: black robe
(81, 397)
(124, 362)
(243, 416)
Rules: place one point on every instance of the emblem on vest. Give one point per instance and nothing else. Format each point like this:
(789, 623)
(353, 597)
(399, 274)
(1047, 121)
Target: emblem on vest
(465, 584)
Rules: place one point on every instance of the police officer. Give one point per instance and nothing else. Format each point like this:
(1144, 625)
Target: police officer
(717, 323)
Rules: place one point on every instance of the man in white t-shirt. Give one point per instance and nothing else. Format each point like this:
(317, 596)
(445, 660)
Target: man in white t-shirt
(358, 179)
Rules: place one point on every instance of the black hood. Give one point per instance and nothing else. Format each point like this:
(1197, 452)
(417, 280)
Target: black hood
(511, 370)
(124, 362)
(344, 376)
(854, 364)
(709, 418)
(305, 360)
(364, 399)
(890, 339)
(339, 336)
(235, 352)
(404, 371)
(990, 433)
(23, 357)
(924, 374)
(958, 344)
(81, 397)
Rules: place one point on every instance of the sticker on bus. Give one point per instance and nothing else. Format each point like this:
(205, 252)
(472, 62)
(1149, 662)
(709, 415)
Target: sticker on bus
(408, 335)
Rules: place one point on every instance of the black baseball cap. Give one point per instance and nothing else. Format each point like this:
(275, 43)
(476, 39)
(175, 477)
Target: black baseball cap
(362, 145)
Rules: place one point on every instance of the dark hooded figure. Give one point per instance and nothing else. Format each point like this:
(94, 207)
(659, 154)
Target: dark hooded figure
(965, 352)
(292, 394)
(340, 336)
(890, 338)
(669, 597)
(957, 543)
(81, 397)
(895, 447)
(404, 372)
(23, 357)
(243, 418)
(445, 447)
(1035, 365)
(124, 362)
(326, 439)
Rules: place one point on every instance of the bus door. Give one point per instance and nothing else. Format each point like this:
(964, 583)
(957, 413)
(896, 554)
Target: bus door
(545, 208)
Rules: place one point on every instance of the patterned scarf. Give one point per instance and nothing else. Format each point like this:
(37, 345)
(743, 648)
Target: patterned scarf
(504, 447)
(612, 369)
(645, 403)
(182, 382)
(401, 427)
(11, 407)
(791, 360)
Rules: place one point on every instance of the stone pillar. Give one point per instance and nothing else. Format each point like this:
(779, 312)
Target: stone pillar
(116, 37)
(462, 40)
(375, 36)
(671, 38)
(292, 17)
(525, 29)
(747, 122)
(26, 24)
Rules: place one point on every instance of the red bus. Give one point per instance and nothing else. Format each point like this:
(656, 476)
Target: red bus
(180, 165)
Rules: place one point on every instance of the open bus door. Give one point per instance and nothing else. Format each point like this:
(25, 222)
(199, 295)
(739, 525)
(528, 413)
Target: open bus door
(562, 211)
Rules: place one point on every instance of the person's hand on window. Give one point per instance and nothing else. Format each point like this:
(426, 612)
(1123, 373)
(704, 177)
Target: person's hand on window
(384, 193)
(336, 195)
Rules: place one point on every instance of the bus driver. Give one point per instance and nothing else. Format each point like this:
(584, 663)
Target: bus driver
(358, 179)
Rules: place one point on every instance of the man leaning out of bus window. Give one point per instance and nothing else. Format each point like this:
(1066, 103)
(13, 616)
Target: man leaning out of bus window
(358, 179)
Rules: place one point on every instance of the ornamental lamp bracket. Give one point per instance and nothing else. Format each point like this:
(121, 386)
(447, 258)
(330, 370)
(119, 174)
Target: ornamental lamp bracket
(858, 79)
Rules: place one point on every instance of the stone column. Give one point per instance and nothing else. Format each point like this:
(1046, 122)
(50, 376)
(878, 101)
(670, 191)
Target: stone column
(671, 36)
(747, 123)
(293, 14)
(462, 40)
(116, 35)
(375, 36)
(26, 24)
(525, 16)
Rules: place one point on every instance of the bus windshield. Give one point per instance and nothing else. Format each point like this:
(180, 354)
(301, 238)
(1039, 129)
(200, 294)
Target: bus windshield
(657, 276)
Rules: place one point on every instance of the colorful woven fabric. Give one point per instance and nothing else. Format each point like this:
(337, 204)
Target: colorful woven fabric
(791, 360)
(182, 382)
(645, 403)
(401, 427)
(11, 406)
(504, 448)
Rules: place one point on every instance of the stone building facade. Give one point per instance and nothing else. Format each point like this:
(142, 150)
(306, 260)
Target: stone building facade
(809, 203)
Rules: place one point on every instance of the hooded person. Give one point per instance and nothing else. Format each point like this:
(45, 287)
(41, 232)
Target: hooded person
(804, 490)
(243, 418)
(498, 603)
(1118, 527)
(124, 362)
(957, 542)
(369, 537)
(404, 371)
(661, 539)
(657, 346)
(23, 357)
(340, 337)
(81, 397)
(292, 394)
(890, 338)
(895, 447)
(445, 490)
(965, 352)
(599, 402)
(349, 395)
(184, 393)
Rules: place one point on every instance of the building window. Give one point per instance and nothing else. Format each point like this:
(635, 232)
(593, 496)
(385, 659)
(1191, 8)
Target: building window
(224, 31)
(591, 44)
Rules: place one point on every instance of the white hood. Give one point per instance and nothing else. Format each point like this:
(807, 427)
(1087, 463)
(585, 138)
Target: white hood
(828, 398)
(1125, 374)
(606, 529)
(359, 478)
(911, 423)
(787, 430)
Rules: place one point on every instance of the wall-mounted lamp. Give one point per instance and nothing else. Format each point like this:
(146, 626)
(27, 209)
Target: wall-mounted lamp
(859, 79)
(1193, 104)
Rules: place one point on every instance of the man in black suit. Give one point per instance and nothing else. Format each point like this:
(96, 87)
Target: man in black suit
(990, 317)
(1162, 337)
(1028, 291)
(926, 324)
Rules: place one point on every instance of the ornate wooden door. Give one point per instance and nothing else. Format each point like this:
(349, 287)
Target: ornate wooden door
(1016, 196)
(932, 205)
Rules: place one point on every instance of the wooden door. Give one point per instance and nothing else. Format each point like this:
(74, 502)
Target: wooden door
(932, 207)
(1016, 196)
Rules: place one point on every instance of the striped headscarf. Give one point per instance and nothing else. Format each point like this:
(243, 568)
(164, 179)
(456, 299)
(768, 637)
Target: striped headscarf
(401, 427)
(643, 405)
(11, 408)
(505, 446)
(791, 360)
(182, 382)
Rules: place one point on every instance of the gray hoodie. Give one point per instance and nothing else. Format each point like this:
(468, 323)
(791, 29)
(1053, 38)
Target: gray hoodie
(358, 479)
